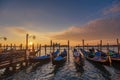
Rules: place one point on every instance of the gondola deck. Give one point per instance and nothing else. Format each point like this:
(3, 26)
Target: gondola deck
(41, 59)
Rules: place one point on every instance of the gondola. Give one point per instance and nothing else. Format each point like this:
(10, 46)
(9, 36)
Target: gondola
(105, 59)
(115, 57)
(100, 65)
(41, 59)
(78, 60)
(60, 59)
(99, 59)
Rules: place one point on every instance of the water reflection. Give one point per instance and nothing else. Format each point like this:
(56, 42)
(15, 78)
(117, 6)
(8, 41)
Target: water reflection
(116, 65)
(56, 69)
(79, 68)
(105, 73)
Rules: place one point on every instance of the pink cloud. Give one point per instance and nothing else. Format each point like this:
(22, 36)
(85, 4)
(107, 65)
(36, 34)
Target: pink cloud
(94, 30)
(114, 9)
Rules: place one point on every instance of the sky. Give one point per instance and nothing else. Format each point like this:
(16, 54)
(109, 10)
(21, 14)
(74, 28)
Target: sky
(60, 20)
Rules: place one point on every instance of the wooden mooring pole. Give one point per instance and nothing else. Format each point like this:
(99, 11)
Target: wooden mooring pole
(14, 47)
(68, 50)
(50, 45)
(37, 48)
(27, 35)
(0, 46)
(7, 47)
(59, 46)
(87, 46)
(83, 44)
(118, 45)
(40, 50)
(107, 47)
(11, 46)
(97, 45)
(53, 47)
(45, 49)
(100, 45)
(33, 48)
(20, 46)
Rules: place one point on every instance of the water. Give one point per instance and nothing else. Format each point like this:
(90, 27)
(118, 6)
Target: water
(67, 72)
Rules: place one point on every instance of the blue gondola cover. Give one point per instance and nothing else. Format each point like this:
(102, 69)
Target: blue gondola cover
(59, 58)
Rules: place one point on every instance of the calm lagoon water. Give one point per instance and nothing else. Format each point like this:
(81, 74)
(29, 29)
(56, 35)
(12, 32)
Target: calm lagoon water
(67, 72)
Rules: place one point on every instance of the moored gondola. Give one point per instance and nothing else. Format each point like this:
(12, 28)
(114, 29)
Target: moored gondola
(78, 57)
(98, 57)
(41, 59)
(78, 60)
(115, 57)
(60, 59)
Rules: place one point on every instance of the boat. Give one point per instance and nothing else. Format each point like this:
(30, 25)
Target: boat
(99, 57)
(115, 57)
(78, 60)
(60, 59)
(41, 59)
(98, 63)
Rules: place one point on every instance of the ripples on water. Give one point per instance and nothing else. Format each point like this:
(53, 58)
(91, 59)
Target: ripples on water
(67, 72)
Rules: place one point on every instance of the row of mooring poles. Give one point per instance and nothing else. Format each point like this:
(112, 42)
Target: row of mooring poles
(100, 45)
(118, 46)
(83, 45)
(11, 46)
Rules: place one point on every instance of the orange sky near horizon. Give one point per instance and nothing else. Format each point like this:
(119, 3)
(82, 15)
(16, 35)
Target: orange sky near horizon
(22, 40)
